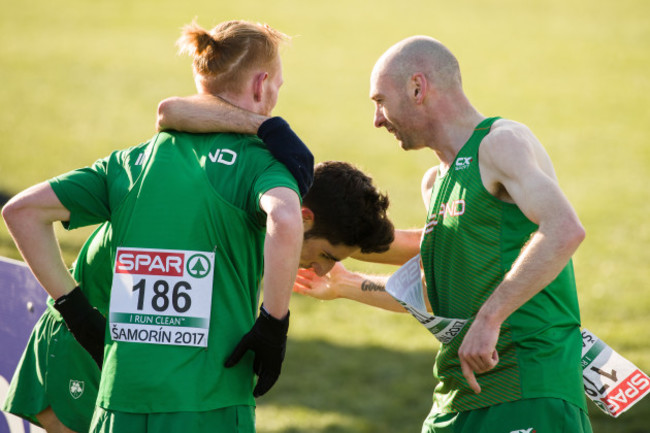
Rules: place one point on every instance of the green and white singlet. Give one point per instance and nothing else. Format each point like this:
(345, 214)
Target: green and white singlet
(182, 192)
(470, 242)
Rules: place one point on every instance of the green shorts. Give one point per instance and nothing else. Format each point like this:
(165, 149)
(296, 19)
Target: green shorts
(548, 415)
(233, 419)
(54, 371)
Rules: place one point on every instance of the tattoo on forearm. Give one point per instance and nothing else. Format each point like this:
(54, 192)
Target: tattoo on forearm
(371, 286)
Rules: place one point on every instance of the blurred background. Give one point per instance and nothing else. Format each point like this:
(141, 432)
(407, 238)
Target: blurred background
(81, 79)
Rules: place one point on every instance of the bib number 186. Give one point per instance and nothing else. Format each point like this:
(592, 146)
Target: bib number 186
(180, 300)
(158, 294)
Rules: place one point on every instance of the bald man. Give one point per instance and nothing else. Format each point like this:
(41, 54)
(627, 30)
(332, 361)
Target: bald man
(496, 250)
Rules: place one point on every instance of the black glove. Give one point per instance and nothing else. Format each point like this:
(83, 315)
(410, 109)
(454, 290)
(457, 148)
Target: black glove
(268, 339)
(85, 323)
(289, 149)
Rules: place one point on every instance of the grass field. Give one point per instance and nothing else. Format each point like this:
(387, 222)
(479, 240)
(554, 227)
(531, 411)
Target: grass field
(81, 79)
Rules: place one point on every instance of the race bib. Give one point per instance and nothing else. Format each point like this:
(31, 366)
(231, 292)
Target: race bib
(612, 382)
(405, 285)
(161, 296)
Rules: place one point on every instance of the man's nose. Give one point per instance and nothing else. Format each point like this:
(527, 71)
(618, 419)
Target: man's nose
(379, 117)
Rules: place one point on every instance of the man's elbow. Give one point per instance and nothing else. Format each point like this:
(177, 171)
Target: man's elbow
(12, 212)
(288, 220)
(574, 235)
(20, 216)
(165, 109)
(287, 223)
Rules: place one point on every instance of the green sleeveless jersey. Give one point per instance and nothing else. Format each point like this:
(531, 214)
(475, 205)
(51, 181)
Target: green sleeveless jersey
(470, 241)
(182, 192)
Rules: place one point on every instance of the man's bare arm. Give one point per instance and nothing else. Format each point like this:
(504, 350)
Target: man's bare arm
(30, 218)
(268, 336)
(281, 248)
(426, 186)
(206, 113)
(340, 283)
(405, 246)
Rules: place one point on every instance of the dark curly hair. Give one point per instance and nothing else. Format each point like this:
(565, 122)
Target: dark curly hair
(348, 209)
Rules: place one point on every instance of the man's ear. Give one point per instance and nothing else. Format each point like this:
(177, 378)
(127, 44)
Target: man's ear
(307, 218)
(418, 87)
(258, 85)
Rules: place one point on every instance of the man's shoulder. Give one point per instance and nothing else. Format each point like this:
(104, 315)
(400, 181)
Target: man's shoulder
(507, 129)
(510, 151)
(507, 137)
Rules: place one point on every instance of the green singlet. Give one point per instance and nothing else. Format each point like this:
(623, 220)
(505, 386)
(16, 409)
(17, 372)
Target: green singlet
(471, 241)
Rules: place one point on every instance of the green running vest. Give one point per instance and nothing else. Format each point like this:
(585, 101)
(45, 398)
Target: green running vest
(470, 242)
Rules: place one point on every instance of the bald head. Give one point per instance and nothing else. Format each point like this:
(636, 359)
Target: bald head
(418, 96)
(420, 54)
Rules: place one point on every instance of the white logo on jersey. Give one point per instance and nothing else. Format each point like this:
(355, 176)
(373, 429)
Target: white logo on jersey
(142, 158)
(223, 156)
(529, 430)
(76, 388)
(454, 208)
(463, 163)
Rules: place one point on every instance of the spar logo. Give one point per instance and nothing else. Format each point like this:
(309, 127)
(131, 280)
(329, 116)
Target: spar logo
(627, 393)
(198, 266)
(150, 262)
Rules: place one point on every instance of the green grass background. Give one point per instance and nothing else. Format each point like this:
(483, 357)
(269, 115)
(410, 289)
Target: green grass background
(82, 78)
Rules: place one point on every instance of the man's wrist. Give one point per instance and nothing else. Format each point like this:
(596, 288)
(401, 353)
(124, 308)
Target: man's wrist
(487, 317)
(289, 149)
(73, 306)
(264, 312)
(266, 125)
(273, 329)
(351, 283)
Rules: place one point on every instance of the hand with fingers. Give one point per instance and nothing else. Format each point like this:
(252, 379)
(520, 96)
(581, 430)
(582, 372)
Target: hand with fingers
(478, 353)
(323, 288)
(268, 341)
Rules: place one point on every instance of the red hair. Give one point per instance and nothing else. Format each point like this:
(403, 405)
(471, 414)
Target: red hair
(232, 47)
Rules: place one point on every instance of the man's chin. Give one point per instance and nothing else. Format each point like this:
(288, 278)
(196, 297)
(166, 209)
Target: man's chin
(409, 145)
